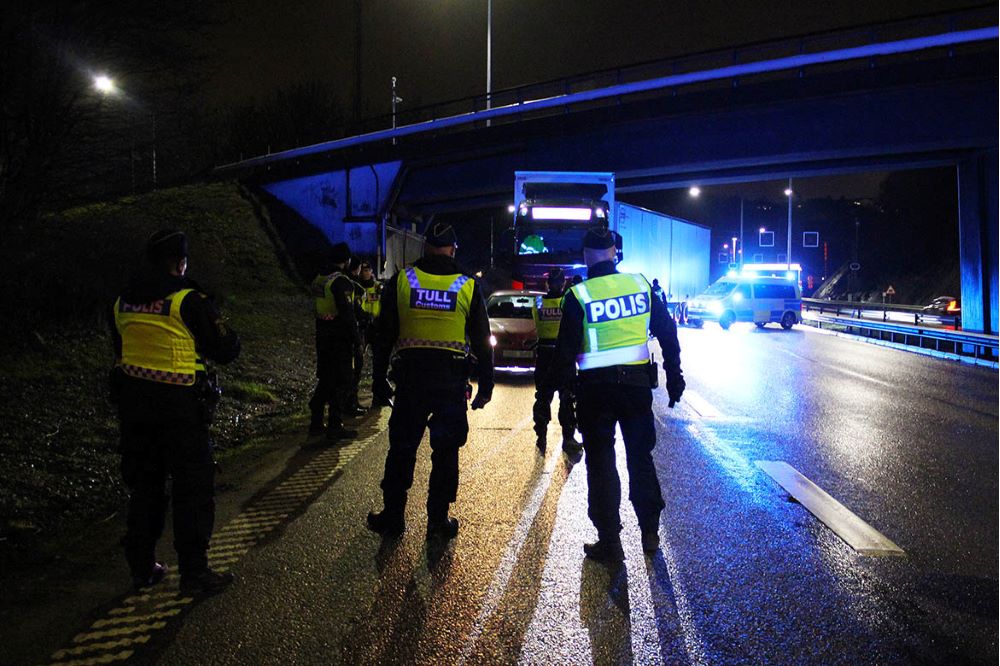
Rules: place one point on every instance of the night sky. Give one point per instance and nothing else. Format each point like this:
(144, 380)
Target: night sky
(437, 48)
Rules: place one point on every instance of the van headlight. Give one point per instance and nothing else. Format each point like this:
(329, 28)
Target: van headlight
(715, 307)
(493, 341)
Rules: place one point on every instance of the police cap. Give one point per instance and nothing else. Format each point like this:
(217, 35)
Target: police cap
(599, 238)
(166, 244)
(440, 234)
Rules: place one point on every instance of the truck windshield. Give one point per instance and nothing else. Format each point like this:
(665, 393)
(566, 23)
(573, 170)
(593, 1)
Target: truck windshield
(720, 289)
(550, 240)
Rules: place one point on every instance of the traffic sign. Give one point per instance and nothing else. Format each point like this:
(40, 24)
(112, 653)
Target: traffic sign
(855, 266)
(890, 291)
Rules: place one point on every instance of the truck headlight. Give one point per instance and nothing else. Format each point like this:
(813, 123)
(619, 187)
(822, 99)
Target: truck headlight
(493, 341)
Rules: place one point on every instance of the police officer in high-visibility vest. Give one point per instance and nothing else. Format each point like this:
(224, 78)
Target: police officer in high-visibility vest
(605, 328)
(370, 306)
(165, 329)
(433, 316)
(547, 313)
(336, 336)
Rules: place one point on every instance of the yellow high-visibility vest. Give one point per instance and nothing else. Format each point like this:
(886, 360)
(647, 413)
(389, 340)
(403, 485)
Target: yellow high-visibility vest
(616, 310)
(547, 313)
(156, 343)
(433, 310)
(371, 304)
(326, 306)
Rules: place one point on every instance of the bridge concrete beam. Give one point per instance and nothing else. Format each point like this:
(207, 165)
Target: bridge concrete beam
(978, 242)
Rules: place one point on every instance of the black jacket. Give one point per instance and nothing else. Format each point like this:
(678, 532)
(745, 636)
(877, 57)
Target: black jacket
(570, 340)
(477, 326)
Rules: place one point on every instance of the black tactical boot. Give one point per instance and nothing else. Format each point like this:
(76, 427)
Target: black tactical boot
(605, 550)
(316, 425)
(569, 443)
(206, 582)
(443, 530)
(650, 541)
(336, 433)
(385, 523)
(151, 579)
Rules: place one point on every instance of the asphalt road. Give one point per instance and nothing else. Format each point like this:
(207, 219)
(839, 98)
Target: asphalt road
(744, 574)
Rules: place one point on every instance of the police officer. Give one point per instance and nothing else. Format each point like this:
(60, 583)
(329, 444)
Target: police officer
(658, 291)
(605, 327)
(165, 329)
(547, 312)
(433, 315)
(358, 362)
(336, 336)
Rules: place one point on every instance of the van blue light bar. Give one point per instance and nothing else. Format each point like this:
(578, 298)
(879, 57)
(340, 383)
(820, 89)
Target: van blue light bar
(775, 65)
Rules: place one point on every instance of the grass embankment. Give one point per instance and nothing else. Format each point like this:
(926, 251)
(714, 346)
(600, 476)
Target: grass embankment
(59, 435)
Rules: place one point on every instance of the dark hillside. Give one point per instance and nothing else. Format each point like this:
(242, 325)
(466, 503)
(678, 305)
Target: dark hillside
(59, 435)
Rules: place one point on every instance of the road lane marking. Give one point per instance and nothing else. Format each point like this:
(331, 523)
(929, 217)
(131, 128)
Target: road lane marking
(109, 645)
(501, 445)
(491, 601)
(701, 406)
(858, 534)
(153, 610)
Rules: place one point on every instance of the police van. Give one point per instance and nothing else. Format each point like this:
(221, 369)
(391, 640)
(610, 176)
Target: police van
(755, 298)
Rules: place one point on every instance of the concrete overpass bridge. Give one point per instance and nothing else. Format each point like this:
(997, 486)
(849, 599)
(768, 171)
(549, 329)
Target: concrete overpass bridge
(909, 94)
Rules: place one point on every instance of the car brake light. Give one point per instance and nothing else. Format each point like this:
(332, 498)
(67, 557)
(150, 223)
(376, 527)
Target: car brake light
(952, 306)
(516, 284)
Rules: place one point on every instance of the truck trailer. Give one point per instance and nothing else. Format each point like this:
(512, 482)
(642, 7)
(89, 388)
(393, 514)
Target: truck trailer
(554, 209)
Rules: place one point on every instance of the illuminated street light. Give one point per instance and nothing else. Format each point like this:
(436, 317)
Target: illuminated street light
(788, 191)
(695, 191)
(104, 85)
(510, 208)
(762, 230)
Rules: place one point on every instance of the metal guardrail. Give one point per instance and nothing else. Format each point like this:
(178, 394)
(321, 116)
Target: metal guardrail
(960, 343)
(906, 314)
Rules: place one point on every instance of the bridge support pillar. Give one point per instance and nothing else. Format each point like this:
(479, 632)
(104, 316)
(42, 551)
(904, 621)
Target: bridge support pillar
(977, 223)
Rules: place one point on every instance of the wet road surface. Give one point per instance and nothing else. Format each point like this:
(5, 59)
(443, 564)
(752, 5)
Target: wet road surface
(745, 574)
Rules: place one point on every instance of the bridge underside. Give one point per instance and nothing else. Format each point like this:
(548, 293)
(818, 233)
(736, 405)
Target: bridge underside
(851, 118)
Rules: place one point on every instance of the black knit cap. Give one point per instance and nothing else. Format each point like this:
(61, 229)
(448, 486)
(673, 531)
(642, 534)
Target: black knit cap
(555, 275)
(599, 238)
(440, 234)
(166, 244)
(340, 253)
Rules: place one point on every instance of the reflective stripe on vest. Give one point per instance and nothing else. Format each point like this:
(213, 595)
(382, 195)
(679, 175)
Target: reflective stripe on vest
(326, 306)
(616, 311)
(433, 310)
(156, 343)
(547, 313)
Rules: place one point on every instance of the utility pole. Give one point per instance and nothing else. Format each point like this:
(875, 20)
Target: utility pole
(741, 234)
(396, 99)
(154, 149)
(357, 61)
(489, 54)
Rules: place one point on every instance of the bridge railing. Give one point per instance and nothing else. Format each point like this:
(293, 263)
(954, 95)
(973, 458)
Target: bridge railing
(848, 316)
(862, 47)
(911, 314)
(818, 42)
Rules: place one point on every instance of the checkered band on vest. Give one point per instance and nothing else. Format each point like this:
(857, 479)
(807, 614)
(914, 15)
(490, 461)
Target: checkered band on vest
(162, 376)
(412, 342)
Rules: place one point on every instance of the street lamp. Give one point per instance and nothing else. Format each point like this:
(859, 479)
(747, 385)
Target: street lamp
(104, 84)
(695, 191)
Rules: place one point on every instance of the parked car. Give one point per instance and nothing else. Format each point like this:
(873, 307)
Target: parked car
(512, 329)
(944, 305)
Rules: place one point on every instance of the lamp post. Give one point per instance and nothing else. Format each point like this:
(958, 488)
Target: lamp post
(788, 254)
(105, 85)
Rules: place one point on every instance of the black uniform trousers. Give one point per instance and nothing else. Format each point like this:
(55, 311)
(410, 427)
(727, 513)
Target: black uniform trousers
(542, 410)
(159, 441)
(601, 405)
(426, 397)
(335, 378)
